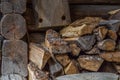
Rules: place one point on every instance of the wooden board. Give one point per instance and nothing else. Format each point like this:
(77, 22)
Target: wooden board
(12, 77)
(14, 57)
(94, 1)
(51, 13)
(13, 26)
(16, 6)
(81, 11)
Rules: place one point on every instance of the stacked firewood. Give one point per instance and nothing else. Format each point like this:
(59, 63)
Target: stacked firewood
(14, 50)
(89, 44)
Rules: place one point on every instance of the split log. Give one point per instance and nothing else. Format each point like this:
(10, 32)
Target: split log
(39, 55)
(64, 59)
(14, 57)
(35, 73)
(6, 7)
(13, 26)
(112, 35)
(117, 67)
(45, 16)
(72, 68)
(75, 50)
(111, 56)
(55, 68)
(12, 77)
(37, 37)
(14, 6)
(94, 50)
(111, 24)
(55, 44)
(80, 27)
(92, 63)
(107, 45)
(101, 33)
(115, 14)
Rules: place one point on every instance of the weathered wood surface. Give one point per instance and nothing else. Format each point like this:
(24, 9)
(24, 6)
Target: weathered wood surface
(13, 26)
(90, 76)
(35, 73)
(92, 63)
(55, 43)
(13, 6)
(94, 1)
(81, 11)
(12, 77)
(56, 15)
(14, 57)
(39, 55)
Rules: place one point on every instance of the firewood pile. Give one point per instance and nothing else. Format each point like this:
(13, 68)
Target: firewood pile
(87, 45)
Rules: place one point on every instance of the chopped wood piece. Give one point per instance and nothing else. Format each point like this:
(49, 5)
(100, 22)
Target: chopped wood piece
(6, 7)
(47, 14)
(37, 38)
(13, 26)
(35, 73)
(64, 59)
(101, 32)
(112, 35)
(94, 50)
(75, 50)
(14, 57)
(111, 24)
(55, 68)
(39, 55)
(111, 56)
(91, 63)
(117, 67)
(14, 6)
(71, 68)
(12, 77)
(107, 45)
(80, 27)
(115, 14)
(55, 44)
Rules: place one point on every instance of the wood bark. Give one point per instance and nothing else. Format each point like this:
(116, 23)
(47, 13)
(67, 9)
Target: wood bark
(13, 26)
(14, 57)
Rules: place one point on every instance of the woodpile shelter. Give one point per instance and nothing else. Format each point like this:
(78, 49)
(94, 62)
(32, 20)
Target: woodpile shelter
(60, 40)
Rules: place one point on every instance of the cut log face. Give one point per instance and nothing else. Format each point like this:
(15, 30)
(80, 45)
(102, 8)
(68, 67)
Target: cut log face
(55, 68)
(64, 59)
(35, 73)
(46, 18)
(112, 35)
(86, 42)
(13, 26)
(14, 6)
(107, 45)
(101, 32)
(39, 55)
(71, 68)
(111, 24)
(111, 56)
(6, 7)
(12, 77)
(14, 57)
(91, 63)
(75, 50)
(55, 44)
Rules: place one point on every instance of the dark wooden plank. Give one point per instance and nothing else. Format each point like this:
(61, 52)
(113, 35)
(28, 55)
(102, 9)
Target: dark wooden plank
(13, 26)
(81, 11)
(12, 77)
(94, 1)
(51, 13)
(16, 6)
(14, 57)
